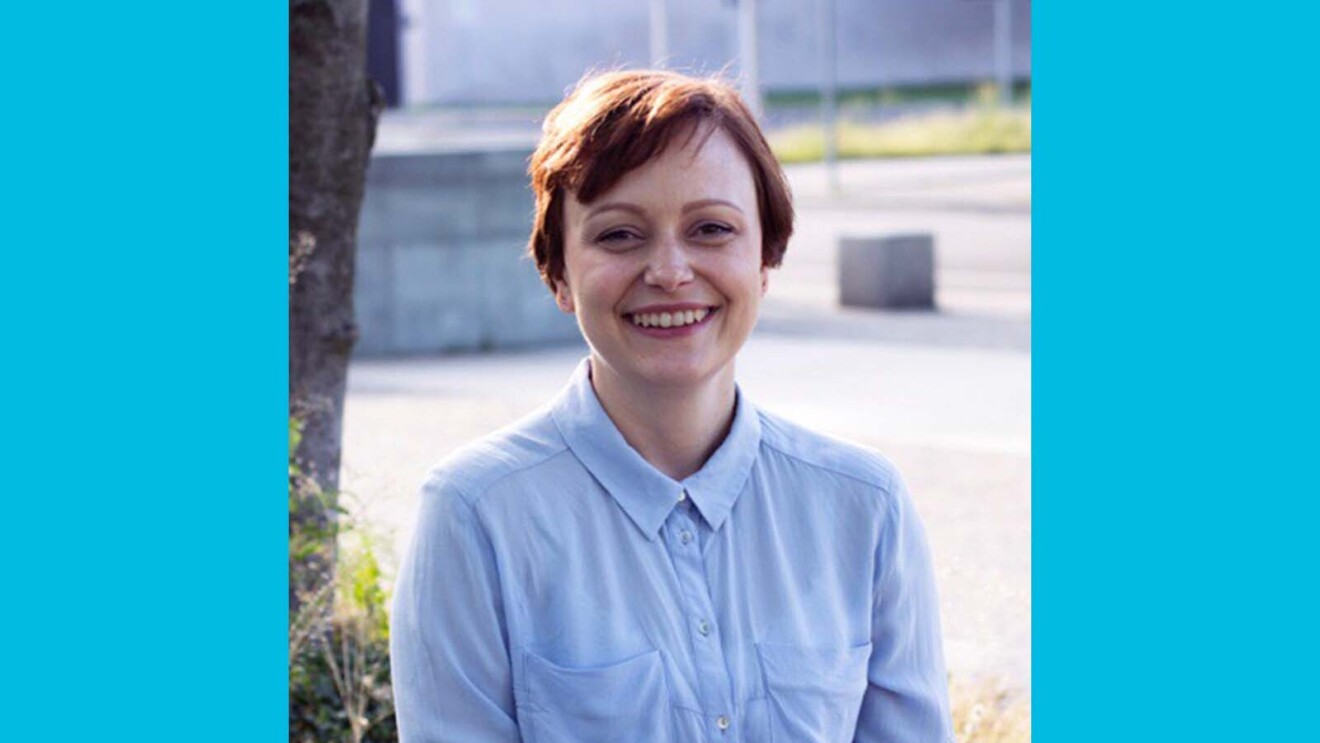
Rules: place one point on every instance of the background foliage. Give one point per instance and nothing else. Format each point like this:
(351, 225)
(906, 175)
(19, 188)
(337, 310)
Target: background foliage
(339, 663)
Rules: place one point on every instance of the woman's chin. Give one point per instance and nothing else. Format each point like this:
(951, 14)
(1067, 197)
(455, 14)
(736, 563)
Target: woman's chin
(669, 372)
(680, 373)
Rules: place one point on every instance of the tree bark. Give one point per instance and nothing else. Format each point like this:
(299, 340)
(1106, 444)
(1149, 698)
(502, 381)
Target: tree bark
(333, 110)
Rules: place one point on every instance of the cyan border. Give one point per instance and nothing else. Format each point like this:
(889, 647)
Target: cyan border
(1174, 342)
(144, 299)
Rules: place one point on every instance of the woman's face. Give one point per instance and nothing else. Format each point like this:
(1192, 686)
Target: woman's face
(664, 270)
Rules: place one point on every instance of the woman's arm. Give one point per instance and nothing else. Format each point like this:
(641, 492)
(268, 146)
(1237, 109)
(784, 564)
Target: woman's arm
(448, 638)
(907, 699)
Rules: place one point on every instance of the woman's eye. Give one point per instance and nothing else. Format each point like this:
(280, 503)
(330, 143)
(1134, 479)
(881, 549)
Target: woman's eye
(618, 239)
(616, 236)
(713, 229)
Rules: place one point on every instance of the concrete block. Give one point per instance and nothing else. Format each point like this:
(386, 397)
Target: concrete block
(436, 299)
(505, 207)
(888, 272)
(441, 263)
(373, 300)
(519, 308)
(425, 170)
(505, 164)
(374, 224)
(430, 214)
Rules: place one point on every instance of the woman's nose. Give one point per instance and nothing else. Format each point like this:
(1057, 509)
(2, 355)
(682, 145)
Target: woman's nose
(668, 267)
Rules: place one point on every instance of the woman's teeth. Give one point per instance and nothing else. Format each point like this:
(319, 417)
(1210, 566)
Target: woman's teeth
(668, 319)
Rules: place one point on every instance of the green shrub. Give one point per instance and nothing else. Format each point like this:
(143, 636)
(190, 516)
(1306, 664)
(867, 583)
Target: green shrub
(339, 661)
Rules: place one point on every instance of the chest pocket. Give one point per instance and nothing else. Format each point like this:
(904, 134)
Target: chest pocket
(626, 701)
(813, 695)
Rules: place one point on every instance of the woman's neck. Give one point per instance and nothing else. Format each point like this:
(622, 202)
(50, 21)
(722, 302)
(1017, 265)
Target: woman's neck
(676, 429)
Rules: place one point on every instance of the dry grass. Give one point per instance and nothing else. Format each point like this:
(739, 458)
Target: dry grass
(979, 130)
(989, 713)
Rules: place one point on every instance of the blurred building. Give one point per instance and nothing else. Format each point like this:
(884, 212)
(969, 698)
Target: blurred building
(460, 52)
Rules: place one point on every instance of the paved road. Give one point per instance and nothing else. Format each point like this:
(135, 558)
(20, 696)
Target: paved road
(946, 395)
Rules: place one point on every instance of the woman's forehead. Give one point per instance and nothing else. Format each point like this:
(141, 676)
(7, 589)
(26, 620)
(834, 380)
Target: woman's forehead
(692, 168)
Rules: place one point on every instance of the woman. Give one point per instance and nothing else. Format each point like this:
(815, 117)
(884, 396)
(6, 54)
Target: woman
(651, 557)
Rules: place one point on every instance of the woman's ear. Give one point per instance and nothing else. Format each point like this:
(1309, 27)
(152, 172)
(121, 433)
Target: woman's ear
(563, 298)
(765, 279)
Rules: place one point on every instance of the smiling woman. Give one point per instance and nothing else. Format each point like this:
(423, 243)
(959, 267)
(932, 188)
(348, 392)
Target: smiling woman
(651, 557)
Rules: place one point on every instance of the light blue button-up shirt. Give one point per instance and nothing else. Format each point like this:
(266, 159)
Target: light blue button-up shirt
(560, 589)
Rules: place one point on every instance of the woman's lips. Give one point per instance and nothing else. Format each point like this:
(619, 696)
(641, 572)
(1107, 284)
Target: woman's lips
(671, 323)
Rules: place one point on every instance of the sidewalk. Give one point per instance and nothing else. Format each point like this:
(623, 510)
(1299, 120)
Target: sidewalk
(946, 395)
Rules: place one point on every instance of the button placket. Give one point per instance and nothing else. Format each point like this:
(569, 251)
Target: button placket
(712, 682)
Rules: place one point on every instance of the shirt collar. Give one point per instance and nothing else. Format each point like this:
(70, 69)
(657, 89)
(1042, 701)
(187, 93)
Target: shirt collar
(646, 494)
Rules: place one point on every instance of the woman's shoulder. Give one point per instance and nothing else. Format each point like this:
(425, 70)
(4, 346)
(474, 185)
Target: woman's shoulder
(471, 470)
(827, 454)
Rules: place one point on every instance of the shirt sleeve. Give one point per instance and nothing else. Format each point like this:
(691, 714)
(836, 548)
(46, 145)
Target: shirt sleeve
(907, 696)
(449, 653)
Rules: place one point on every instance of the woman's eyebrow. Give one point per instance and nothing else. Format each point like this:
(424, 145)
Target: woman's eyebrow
(693, 205)
(613, 205)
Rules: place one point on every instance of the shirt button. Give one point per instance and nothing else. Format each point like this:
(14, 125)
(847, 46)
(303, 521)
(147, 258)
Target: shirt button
(703, 627)
(682, 496)
(722, 722)
(685, 536)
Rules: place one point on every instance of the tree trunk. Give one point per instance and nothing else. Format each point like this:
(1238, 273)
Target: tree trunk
(333, 110)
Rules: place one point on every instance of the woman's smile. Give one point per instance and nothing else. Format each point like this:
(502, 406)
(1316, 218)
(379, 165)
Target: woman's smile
(670, 321)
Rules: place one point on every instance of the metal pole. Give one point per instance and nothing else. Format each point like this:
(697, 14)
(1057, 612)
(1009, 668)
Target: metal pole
(829, 85)
(747, 56)
(1004, 51)
(659, 33)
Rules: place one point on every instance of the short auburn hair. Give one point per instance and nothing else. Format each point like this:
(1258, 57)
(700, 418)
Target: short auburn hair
(614, 122)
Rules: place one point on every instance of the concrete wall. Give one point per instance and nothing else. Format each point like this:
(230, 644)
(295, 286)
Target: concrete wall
(530, 51)
(441, 264)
